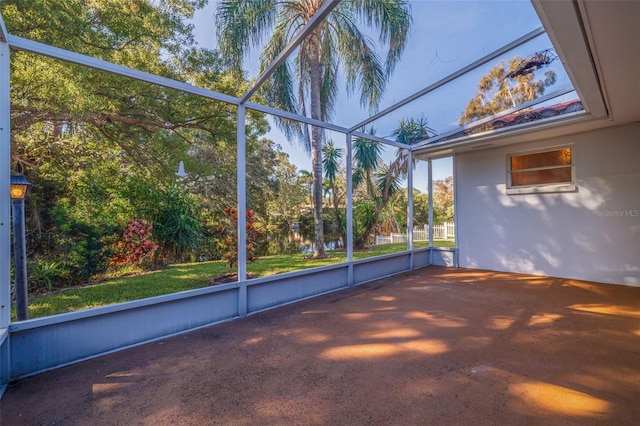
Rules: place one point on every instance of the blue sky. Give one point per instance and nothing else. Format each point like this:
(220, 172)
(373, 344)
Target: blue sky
(446, 36)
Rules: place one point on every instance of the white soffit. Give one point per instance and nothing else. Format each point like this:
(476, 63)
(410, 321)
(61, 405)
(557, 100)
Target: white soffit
(613, 31)
(566, 31)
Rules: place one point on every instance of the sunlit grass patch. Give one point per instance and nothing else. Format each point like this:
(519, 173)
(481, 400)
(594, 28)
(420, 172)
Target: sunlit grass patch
(183, 277)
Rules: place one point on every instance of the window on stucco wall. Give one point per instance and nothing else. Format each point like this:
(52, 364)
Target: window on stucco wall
(550, 170)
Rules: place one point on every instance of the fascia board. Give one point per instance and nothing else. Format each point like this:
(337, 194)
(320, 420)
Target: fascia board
(566, 30)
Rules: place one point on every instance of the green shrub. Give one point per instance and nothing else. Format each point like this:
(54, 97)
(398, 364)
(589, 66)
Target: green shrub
(176, 226)
(43, 275)
(83, 251)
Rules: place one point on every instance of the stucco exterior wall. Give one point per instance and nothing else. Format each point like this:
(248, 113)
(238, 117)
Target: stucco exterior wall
(590, 234)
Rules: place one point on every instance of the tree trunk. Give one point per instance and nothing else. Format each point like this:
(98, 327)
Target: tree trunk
(337, 216)
(316, 145)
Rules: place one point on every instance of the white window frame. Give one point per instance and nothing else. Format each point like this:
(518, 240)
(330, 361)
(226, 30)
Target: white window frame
(543, 188)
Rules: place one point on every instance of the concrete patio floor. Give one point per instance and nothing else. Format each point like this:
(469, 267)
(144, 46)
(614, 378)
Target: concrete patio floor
(432, 346)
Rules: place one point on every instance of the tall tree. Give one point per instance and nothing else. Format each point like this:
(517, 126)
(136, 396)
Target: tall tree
(443, 200)
(509, 85)
(151, 124)
(332, 165)
(87, 139)
(290, 192)
(338, 42)
(408, 132)
(380, 181)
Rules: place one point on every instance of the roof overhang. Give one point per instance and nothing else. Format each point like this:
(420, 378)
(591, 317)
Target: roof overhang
(597, 42)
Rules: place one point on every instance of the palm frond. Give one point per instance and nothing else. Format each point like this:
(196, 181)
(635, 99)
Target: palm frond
(329, 70)
(367, 154)
(412, 130)
(358, 176)
(278, 89)
(331, 157)
(362, 66)
(392, 21)
(241, 24)
(387, 182)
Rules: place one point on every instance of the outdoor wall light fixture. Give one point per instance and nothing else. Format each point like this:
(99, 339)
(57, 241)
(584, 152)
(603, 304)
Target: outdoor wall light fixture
(18, 191)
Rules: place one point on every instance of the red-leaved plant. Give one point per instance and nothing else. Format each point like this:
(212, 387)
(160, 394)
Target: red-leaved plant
(136, 246)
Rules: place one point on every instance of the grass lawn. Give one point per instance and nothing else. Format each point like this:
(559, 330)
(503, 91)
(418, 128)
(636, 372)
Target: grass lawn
(186, 276)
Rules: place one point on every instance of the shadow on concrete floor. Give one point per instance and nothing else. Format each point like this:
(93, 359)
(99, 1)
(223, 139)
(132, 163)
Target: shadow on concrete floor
(433, 346)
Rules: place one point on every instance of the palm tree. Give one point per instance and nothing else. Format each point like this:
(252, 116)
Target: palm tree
(331, 162)
(408, 132)
(379, 185)
(308, 82)
(382, 181)
(367, 156)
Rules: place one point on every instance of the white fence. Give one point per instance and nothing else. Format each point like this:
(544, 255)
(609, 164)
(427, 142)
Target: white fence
(440, 232)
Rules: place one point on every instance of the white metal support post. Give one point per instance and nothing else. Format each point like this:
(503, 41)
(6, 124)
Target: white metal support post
(430, 194)
(5, 220)
(410, 207)
(242, 210)
(349, 217)
(456, 254)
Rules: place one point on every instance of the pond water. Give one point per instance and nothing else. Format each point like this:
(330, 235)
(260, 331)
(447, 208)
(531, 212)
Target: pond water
(294, 242)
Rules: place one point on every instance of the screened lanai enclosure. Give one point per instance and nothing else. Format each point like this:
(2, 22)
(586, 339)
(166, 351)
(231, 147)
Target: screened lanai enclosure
(361, 142)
